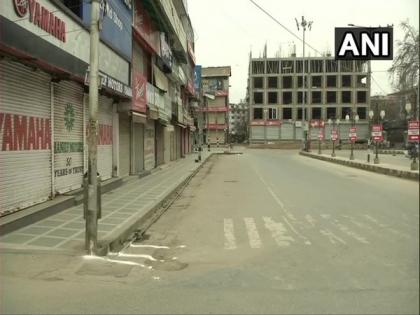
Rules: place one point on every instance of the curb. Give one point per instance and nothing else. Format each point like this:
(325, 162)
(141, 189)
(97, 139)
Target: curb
(116, 241)
(366, 167)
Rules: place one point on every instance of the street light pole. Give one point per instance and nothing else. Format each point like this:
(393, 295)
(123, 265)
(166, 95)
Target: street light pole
(92, 204)
(304, 24)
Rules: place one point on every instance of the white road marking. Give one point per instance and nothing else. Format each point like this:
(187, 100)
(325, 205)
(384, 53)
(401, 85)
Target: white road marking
(392, 230)
(372, 219)
(332, 237)
(230, 241)
(326, 216)
(351, 233)
(305, 240)
(278, 231)
(254, 237)
(148, 246)
(310, 219)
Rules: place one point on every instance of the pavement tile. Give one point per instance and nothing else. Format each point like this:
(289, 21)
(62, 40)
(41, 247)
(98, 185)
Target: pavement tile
(106, 227)
(112, 220)
(35, 230)
(46, 241)
(63, 232)
(52, 223)
(16, 238)
(72, 244)
(75, 225)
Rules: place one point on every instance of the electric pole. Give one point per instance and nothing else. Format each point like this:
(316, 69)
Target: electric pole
(94, 82)
(304, 24)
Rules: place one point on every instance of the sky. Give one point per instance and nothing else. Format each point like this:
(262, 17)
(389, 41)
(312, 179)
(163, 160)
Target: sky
(227, 30)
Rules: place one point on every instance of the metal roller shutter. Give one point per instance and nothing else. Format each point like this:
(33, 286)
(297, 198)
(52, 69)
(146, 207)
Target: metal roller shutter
(257, 132)
(25, 137)
(328, 129)
(105, 137)
(299, 133)
(273, 132)
(287, 131)
(344, 131)
(138, 147)
(68, 136)
(363, 131)
(124, 144)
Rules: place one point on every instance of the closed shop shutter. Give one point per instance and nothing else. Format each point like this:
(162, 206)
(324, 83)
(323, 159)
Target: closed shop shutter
(138, 147)
(273, 132)
(149, 145)
(105, 137)
(159, 143)
(287, 131)
(25, 137)
(68, 136)
(124, 144)
(363, 131)
(257, 132)
(299, 133)
(344, 131)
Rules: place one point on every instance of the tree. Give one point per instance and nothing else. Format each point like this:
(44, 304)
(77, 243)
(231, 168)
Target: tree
(404, 73)
(405, 67)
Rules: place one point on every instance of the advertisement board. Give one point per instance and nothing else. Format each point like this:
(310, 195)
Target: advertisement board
(116, 24)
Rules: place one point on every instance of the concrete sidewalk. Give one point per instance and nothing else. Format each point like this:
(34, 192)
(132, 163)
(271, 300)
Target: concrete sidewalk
(392, 168)
(123, 209)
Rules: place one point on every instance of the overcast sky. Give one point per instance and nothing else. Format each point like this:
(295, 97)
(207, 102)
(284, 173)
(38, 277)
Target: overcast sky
(226, 30)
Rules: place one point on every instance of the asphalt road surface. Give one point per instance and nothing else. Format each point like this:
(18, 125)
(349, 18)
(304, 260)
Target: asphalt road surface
(268, 231)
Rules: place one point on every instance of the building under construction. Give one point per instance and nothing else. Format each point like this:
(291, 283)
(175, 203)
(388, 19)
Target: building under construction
(334, 90)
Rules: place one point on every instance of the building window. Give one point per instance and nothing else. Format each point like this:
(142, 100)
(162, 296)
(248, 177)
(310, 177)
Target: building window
(361, 97)
(345, 111)
(258, 97)
(331, 97)
(361, 111)
(316, 97)
(299, 66)
(272, 97)
(361, 81)
(331, 112)
(287, 97)
(273, 113)
(287, 82)
(299, 97)
(331, 81)
(287, 113)
(258, 82)
(272, 82)
(299, 114)
(346, 81)
(346, 97)
(316, 113)
(299, 81)
(316, 81)
(258, 113)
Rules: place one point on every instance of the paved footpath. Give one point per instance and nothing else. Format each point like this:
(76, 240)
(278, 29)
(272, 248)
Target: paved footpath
(66, 230)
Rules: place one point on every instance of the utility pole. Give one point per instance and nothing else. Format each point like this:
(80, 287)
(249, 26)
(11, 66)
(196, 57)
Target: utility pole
(304, 24)
(92, 204)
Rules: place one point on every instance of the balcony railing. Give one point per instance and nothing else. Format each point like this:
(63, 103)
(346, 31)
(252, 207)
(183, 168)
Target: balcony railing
(175, 22)
(159, 101)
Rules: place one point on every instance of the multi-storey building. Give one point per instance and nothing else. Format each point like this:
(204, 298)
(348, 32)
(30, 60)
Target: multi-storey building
(238, 121)
(334, 90)
(215, 83)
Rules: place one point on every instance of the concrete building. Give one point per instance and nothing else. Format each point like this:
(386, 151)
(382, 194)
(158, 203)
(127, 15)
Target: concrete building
(238, 121)
(334, 90)
(215, 84)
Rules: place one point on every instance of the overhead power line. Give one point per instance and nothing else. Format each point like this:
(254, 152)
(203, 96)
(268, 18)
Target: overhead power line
(287, 29)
